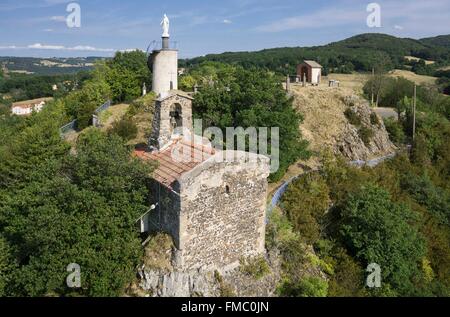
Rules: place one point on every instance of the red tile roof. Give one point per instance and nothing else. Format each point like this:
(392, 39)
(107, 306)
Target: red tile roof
(30, 103)
(169, 169)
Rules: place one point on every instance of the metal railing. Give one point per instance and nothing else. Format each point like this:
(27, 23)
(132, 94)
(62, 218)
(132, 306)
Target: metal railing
(157, 45)
(71, 126)
(276, 198)
(103, 107)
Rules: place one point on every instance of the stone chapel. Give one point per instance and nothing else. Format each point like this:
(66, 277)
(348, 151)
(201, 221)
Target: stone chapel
(214, 208)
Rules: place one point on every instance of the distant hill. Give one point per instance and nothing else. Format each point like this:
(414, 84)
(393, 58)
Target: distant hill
(357, 53)
(441, 40)
(46, 66)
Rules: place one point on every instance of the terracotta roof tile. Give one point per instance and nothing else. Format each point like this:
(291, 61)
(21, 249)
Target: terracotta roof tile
(170, 169)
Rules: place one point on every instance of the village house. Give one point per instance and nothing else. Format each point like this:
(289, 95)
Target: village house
(310, 72)
(23, 108)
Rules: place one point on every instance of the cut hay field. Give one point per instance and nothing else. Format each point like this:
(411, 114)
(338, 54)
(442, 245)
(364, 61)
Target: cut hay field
(416, 59)
(356, 81)
(418, 79)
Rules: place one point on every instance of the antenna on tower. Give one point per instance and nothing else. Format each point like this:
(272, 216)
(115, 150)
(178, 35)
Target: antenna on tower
(151, 47)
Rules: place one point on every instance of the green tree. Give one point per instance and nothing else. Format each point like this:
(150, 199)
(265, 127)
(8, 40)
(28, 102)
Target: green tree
(83, 211)
(307, 287)
(125, 128)
(7, 263)
(126, 73)
(376, 230)
(81, 104)
(395, 131)
(313, 193)
(402, 106)
(253, 98)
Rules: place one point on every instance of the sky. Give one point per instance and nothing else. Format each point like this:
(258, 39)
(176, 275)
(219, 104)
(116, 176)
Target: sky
(39, 28)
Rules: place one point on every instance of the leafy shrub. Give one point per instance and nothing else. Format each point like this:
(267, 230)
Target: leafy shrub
(158, 253)
(366, 135)
(313, 193)
(224, 288)
(307, 287)
(352, 117)
(257, 267)
(125, 128)
(142, 104)
(376, 230)
(395, 131)
(374, 120)
(279, 230)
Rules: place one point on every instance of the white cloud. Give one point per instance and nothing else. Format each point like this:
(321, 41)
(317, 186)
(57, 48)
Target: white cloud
(39, 46)
(58, 18)
(226, 21)
(419, 18)
(324, 18)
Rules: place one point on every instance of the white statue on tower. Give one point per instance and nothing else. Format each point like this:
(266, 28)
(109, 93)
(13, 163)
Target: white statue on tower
(165, 23)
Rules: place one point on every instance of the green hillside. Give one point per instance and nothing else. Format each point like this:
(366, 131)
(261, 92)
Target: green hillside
(358, 53)
(441, 40)
(47, 66)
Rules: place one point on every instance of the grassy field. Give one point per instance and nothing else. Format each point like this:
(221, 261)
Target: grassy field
(112, 114)
(416, 59)
(418, 79)
(356, 81)
(352, 81)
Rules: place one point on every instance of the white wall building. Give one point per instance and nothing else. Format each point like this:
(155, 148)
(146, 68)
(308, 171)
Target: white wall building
(24, 108)
(310, 71)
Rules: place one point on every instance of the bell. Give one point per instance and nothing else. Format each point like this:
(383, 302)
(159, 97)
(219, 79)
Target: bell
(173, 122)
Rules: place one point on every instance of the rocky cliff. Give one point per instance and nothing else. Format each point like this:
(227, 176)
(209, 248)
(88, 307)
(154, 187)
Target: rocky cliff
(337, 119)
(158, 278)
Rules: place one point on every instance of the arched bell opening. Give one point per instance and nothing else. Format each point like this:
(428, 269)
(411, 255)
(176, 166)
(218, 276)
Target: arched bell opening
(176, 119)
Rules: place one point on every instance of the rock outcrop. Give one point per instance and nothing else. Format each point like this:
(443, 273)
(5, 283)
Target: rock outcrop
(326, 125)
(154, 282)
(351, 145)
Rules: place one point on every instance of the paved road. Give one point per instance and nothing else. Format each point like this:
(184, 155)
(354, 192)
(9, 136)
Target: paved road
(386, 112)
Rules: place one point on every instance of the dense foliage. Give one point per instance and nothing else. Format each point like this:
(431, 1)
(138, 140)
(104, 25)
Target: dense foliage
(125, 74)
(57, 208)
(24, 87)
(396, 215)
(48, 66)
(358, 53)
(398, 93)
(236, 97)
(119, 79)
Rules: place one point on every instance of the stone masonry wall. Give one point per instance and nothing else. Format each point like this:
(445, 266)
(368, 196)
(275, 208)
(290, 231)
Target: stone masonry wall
(162, 130)
(166, 217)
(222, 213)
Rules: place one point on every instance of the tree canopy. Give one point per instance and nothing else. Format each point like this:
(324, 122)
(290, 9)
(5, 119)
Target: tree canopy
(235, 97)
(58, 208)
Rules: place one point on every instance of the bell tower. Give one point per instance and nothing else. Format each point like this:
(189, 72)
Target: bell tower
(173, 108)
